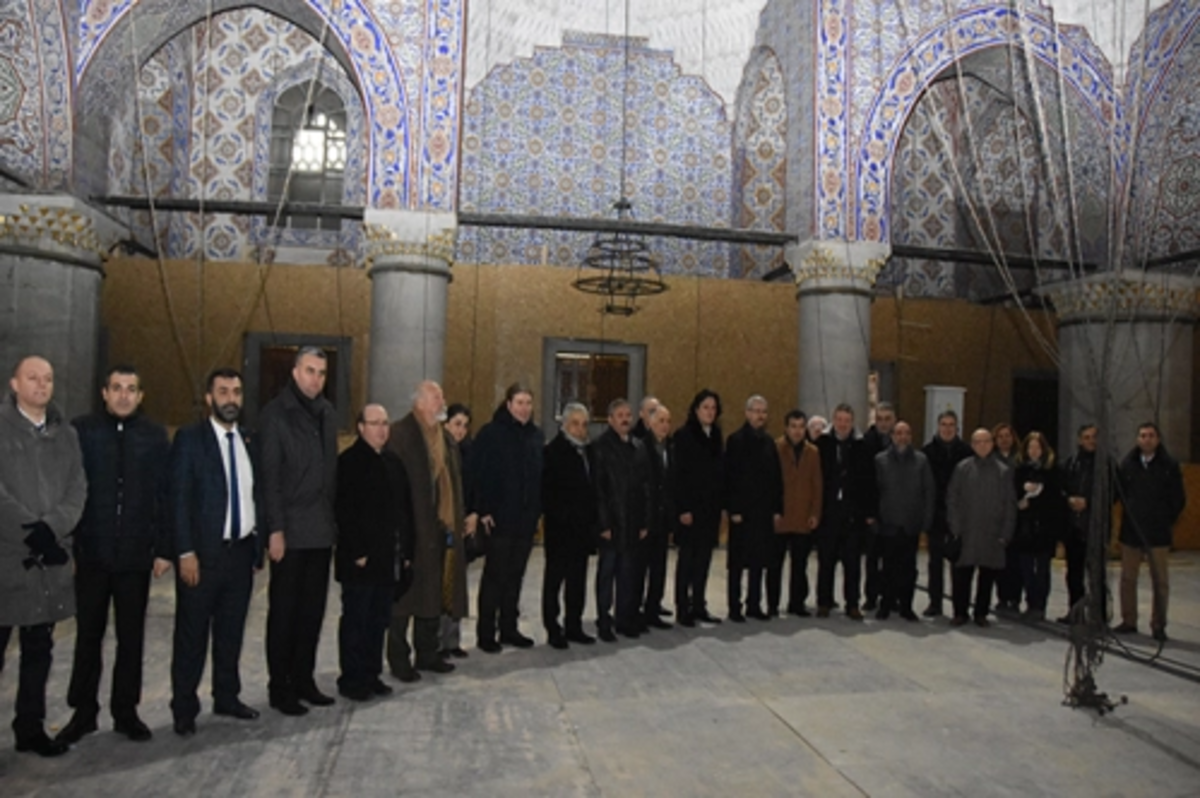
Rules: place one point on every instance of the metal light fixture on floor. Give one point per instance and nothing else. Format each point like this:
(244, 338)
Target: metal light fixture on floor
(624, 268)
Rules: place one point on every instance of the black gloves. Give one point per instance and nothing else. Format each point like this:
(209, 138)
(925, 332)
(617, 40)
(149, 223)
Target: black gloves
(43, 546)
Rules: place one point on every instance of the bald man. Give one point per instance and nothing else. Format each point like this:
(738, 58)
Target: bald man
(374, 551)
(42, 493)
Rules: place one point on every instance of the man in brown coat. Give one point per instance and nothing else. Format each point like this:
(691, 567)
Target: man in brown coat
(439, 565)
(802, 487)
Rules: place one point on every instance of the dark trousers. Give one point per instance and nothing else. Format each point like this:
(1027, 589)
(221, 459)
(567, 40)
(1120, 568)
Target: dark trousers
(962, 576)
(872, 564)
(691, 579)
(838, 541)
(37, 645)
(216, 605)
(617, 589)
(128, 593)
(296, 609)
(500, 585)
(935, 579)
(366, 613)
(424, 645)
(566, 572)
(1076, 550)
(797, 547)
(898, 556)
(655, 561)
(1035, 573)
(737, 566)
(1010, 583)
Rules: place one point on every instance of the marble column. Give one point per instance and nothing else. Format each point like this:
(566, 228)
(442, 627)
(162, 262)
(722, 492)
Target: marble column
(1126, 336)
(833, 289)
(408, 260)
(51, 270)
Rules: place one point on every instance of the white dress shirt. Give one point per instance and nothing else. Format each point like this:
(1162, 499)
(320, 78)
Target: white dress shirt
(245, 479)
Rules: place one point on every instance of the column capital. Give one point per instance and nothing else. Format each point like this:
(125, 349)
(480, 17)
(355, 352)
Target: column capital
(836, 266)
(411, 241)
(1124, 296)
(58, 228)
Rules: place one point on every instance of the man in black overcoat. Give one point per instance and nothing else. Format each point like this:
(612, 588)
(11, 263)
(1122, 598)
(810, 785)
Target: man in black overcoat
(755, 503)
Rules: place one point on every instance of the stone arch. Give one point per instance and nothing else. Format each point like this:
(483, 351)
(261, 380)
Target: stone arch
(1084, 70)
(104, 73)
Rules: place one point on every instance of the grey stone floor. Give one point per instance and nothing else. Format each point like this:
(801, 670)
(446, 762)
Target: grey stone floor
(790, 707)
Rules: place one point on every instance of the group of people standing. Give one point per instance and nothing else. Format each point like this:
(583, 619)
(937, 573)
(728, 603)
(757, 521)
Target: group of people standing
(89, 510)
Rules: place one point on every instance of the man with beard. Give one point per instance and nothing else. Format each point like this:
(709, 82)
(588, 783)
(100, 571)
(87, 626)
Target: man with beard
(42, 493)
(506, 467)
(214, 504)
(299, 444)
(755, 505)
(117, 544)
(622, 477)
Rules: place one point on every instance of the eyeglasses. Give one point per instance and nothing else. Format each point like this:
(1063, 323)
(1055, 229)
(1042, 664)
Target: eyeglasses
(381, 423)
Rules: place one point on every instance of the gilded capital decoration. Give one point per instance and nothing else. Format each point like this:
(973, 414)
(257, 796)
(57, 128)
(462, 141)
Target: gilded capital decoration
(1124, 297)
(820, 265)
(382, 241)
(34, 225)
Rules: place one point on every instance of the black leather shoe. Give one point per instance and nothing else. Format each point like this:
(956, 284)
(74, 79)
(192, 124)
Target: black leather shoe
(239, 711)
(631, 633)
(758, 615)
(133, 728)
(185, 727)
(289, 706)
(870, 606)
(516, 640)
(1159, 634)
(559, 641)
(737, 617)
(581, 637)
(664, 613)
(381, 689)
(932, 611)
(799, 612)
(315, 697)
(882, 614)
(909, 615)
(356, 693)
(489, 646)
(458, 653)
(707, 617)
(658, 623)
(687, 621)
(608, 635)
(77, 728)
(436, 666)
(42, 745)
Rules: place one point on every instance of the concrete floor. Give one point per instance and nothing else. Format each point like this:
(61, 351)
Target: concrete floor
(791, 707)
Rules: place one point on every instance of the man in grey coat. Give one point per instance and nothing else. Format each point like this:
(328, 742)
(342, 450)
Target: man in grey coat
(299, 470)
(981, 507)
(42, 492)
(907, 499)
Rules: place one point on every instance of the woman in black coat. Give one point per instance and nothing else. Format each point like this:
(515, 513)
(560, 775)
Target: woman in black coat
(1040, 522)
(699, 492)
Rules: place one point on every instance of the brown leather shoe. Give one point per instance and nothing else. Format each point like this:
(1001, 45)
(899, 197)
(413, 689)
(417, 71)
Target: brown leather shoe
(854, 614)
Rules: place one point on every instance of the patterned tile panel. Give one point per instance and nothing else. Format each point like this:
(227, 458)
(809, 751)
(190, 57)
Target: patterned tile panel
(760, 160)
(544, 136)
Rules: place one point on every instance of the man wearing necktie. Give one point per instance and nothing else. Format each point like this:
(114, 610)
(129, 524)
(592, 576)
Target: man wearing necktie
(215, 522)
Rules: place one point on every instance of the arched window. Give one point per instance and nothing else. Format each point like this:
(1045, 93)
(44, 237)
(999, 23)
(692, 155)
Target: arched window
(309, 140)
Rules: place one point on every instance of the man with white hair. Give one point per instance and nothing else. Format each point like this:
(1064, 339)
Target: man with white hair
(569, 509)
(641, 430)
(755, 503)
(434, 472)
(816, 427)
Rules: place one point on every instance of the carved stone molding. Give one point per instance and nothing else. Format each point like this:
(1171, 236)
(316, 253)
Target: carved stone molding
(1124, 297)
(34, 225)
(824, 266)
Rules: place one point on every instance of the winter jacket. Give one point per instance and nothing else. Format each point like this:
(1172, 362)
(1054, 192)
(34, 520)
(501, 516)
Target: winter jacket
(907, 492)
(124, 524)
(41, 479)
(374, 516)
(1153, 497)
(803, 487)
(622, 475)
(981, 508)
(506, 474)
(699, 483)
(299, 468)
(1040, 525)
(568, 498)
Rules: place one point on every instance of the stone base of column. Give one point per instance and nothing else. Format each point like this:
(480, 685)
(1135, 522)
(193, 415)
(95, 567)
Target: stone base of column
(51, 271)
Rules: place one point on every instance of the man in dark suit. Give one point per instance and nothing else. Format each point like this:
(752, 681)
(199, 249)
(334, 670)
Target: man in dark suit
(569, 505)
(664, 517)
(215, 519)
